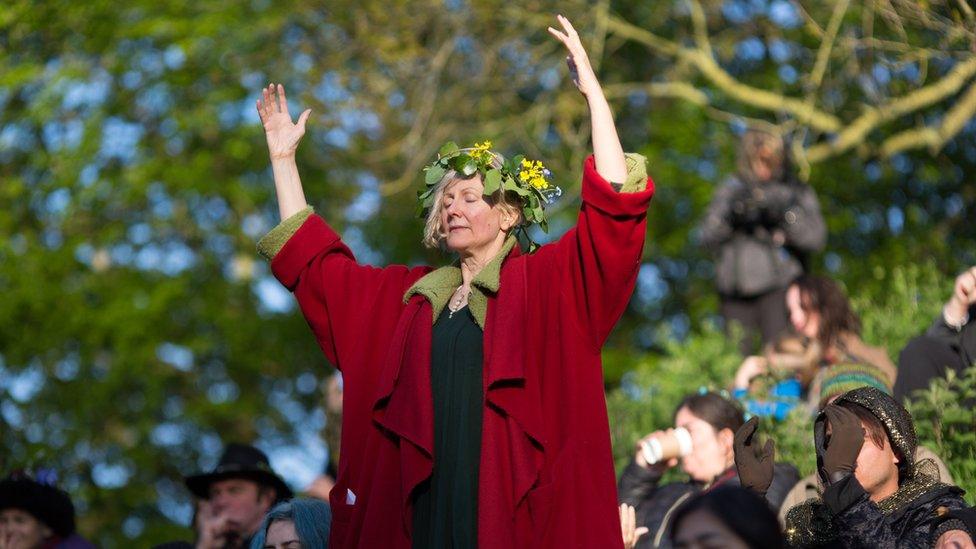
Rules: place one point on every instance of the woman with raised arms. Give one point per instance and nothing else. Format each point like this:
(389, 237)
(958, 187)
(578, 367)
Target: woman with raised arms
(474, 412)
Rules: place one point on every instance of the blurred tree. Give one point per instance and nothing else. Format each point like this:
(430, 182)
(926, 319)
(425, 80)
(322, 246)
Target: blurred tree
(138, 329)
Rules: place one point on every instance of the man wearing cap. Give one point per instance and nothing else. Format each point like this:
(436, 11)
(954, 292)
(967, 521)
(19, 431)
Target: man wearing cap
(234, 497)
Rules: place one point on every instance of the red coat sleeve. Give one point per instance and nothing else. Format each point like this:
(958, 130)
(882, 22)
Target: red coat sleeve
(597, 261)
(346, 304)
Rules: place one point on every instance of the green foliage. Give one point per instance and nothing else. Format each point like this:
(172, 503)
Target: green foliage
(896, 304)
(136, 333)
(648, 395)
(794, 439)
(945, 423)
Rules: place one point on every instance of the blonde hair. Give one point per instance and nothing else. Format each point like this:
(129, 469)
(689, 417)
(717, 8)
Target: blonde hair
(509, 202)
(764, 146)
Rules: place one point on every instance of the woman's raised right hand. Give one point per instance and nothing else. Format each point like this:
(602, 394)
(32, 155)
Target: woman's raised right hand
(283, 135)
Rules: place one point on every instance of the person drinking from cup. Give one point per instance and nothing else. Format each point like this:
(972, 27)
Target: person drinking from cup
(701, 442)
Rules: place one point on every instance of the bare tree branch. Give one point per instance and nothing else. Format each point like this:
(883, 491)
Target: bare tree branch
(872, 117)
(626, 30)
(803, 115)
(678, 90)
(934, 137)
(761, 98)
(808, 21)
(966, 10)
(743, 93)
(700, 24)
(826, 45)
(891, 15)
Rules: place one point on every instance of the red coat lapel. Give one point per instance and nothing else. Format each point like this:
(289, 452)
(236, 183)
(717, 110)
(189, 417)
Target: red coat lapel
(404, 404)
(512, 437)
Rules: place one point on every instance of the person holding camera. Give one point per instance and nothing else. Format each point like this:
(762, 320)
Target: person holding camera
(702, 443)
(761, 225)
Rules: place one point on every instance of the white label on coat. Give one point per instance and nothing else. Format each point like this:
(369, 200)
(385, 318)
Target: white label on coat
(350, 497)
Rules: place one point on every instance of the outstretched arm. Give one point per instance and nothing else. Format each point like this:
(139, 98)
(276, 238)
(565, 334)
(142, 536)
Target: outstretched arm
(607, 151)
(600, 257)
(283, 136)
(341, 300)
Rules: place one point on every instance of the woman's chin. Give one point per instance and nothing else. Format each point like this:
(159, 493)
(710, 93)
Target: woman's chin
(457, 244)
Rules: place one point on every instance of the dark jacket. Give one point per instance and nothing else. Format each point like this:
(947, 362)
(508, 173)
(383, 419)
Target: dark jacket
(740, 227)
(656, 503)
(962, 341)
(846, 517)
(958, 519)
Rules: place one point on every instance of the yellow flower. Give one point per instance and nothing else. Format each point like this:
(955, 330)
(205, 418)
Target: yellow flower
(533, 172)
(481, 152)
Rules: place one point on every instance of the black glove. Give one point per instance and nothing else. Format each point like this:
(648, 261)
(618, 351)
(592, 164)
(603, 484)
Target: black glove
(755, 464)
(837, 455)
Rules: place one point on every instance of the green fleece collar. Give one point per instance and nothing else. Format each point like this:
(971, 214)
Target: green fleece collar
(439, 285)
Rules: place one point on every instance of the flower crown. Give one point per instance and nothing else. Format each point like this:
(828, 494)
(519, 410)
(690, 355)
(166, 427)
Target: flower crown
(529, 179)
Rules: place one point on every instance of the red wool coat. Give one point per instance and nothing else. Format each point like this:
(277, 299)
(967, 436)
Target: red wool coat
(546, 472)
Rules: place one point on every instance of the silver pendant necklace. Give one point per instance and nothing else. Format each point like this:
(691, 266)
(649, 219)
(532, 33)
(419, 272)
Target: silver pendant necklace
(457, 301)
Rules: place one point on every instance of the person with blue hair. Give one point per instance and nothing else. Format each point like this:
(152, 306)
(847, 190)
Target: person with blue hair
(300, 523)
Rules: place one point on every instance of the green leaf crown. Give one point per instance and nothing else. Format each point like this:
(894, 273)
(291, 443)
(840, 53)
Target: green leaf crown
(529, 179)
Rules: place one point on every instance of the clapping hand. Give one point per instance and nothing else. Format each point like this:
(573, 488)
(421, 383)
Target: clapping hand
(628, 525)
(837, 457)
(963, 296)
(753, 462)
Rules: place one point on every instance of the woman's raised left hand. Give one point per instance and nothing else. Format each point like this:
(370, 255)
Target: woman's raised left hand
(578, 61)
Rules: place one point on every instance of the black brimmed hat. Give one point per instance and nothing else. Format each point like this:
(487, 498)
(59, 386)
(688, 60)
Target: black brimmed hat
(45, 502)
(240, 461)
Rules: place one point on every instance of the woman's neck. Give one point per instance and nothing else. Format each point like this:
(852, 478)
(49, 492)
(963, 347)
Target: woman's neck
(473, 262)
(729, 463)
(470, 267)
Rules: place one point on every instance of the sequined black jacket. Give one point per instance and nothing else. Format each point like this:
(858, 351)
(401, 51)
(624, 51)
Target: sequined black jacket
(846, 517)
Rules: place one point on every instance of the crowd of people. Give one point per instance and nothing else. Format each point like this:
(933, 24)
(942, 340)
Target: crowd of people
(471, 399)
(875, 486)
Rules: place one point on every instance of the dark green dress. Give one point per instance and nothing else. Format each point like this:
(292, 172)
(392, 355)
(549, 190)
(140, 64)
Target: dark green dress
(446, 506)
